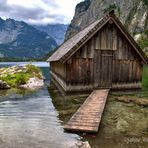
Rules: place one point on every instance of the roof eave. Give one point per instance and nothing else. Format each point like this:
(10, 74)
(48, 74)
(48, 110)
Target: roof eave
(85, 39)
(110, 16)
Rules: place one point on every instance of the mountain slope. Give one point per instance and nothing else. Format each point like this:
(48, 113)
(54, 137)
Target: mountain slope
(132, 13)
(57, 31)
(20, 40)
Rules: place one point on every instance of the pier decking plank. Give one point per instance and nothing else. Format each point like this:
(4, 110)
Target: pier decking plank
(88, 116)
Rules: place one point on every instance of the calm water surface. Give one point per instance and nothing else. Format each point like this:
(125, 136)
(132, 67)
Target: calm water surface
(29, 119)
(39, 64)
(35, 119)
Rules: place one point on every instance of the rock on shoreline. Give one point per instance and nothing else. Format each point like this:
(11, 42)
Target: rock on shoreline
(4, 85)
(33, 83)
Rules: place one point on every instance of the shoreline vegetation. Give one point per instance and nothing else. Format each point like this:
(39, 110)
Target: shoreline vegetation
(27, 76)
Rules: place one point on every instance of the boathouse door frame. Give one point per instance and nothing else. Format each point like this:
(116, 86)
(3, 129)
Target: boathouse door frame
(103, 68)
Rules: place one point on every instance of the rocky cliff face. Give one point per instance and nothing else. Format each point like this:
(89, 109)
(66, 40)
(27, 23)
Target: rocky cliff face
(56, 31)
(132, 13)
(20, 40)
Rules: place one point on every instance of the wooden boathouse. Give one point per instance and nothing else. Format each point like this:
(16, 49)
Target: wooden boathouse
(103, 55)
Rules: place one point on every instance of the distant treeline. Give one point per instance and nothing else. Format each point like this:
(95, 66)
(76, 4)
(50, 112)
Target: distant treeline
(12, 59)
(6, 59)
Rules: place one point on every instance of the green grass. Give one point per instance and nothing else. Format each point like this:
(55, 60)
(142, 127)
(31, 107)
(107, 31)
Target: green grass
(145, 77)
(33, 70)
(17, 79)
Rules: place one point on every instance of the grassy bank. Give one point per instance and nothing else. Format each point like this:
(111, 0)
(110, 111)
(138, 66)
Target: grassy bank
(16, 76)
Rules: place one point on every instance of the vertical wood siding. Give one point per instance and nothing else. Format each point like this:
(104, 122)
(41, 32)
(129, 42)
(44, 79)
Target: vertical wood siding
(59, 69)
(106, 59)
(79, 71)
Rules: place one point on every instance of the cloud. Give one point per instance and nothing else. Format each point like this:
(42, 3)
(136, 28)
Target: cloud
(38, 11)
(3, 5)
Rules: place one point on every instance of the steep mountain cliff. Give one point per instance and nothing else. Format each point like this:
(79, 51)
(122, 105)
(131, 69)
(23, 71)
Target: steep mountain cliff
(57, 31)
(132, 13)
(20, 40)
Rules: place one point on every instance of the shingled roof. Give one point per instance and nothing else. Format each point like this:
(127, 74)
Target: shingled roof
(69, 47)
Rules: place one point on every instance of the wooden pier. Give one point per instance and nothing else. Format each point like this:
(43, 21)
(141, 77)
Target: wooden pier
(88, 116)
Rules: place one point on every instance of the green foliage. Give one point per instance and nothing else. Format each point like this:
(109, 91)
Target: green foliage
(33, 70)
(145, 2)
(146, 32)
(145, 77)
(112, 7)
(17, 79)
(21, 78)
(143, 43)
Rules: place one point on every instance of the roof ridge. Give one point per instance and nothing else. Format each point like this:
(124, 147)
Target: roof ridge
(71, 40)
(69, 47)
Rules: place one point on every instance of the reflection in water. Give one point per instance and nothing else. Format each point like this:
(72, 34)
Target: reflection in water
(28, 119)
(32, 121)
(123, 125)
(66, 105)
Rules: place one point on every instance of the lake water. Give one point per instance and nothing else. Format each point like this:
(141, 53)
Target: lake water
(35, 119)
(39, 64)
(29, 119)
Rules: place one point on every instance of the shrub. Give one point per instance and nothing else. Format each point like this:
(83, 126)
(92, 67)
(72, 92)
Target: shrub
(114, 7)
(21, 79)
(145, 77)
(16, 79)
(143, 43)
(33, 70)
(145, 2)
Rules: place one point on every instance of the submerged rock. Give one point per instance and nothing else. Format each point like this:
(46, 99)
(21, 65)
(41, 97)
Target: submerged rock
(143, 102)
(122, 125)
(4, 85)
(138, 101)
(81, 144)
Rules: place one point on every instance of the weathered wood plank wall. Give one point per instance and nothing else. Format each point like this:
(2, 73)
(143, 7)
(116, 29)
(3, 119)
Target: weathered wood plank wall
(106, 59)
(59, 69)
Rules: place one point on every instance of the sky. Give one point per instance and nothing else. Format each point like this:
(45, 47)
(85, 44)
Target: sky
(39, 12)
